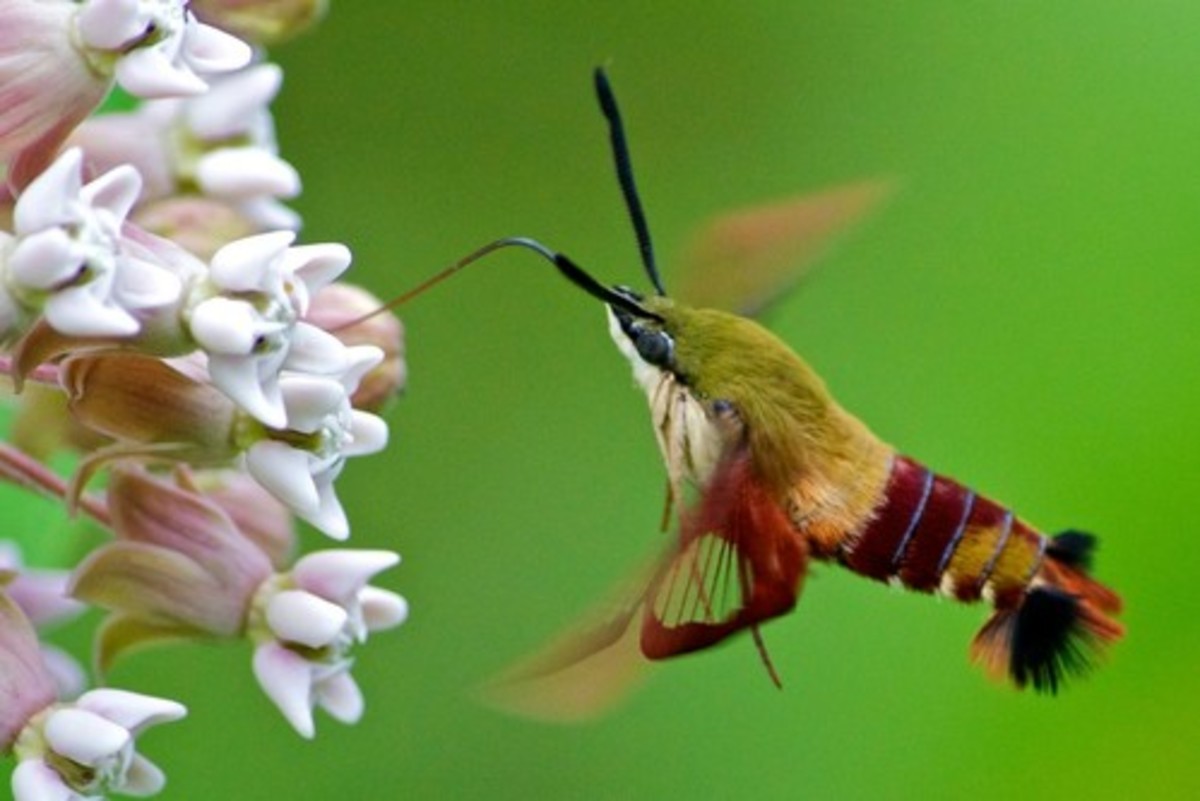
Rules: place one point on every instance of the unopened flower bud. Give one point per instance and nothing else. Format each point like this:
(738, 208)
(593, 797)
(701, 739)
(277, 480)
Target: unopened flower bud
(342, 309)
(199, 224)
(144, 401)
(264, 22)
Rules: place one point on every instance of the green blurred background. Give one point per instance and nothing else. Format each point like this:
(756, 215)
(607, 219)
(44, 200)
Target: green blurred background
(1022, 315)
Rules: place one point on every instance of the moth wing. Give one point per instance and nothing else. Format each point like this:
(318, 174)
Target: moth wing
(745, 260)
(587, 668)
(738, 562)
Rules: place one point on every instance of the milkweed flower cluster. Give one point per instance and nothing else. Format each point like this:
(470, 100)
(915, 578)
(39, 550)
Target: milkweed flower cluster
(161, 316)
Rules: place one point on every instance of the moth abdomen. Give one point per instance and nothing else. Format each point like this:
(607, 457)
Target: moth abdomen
(930, 532)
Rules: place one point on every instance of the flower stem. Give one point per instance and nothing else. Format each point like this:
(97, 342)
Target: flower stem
(45, 374)
(23, 470)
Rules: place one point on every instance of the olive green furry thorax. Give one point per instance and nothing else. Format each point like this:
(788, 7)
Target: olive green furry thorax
(791, 421)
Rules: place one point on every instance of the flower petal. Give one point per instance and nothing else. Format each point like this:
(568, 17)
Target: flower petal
(340, 696)
(368, 434)
(382, 609)
(130, 710)
(208, 49)
(330, 517)
(115, 191)
(234, 102)
(238, 377)
(287, 680)
(109, 24)
(85, 737)
(150, 73)
(145, 285)
(268, 214)
(143, 778)
(34, 780)
(283, 472)
(339, 574)
(153, 582)
(42, 596)
(295, 616)
(249, 264)
(233, 172)
(76, 311)
(317, 265)
(315, 351)
(45, 259)
(310, 399)
(229, 326)
(68, 675)
(48, 200)
(21, 666)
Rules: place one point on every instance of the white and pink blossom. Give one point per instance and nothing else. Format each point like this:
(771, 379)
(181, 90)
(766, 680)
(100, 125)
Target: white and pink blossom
(307, 622)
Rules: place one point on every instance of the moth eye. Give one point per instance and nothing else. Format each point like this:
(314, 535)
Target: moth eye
(656, 347)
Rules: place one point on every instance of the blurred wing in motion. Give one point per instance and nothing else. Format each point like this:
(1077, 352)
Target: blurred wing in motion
(584, 671)
(738, 562)
(745, 260)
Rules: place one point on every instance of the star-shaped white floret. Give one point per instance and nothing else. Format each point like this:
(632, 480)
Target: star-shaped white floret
(94, 736)
(68, 259)
(164, 49)
(258, 289)
(302, 475)
(303, 661)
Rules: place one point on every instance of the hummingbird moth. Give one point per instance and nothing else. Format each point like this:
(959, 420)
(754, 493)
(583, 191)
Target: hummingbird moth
(771, 473)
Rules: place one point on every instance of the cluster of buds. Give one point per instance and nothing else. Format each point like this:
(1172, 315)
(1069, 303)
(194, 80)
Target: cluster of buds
(159, 317)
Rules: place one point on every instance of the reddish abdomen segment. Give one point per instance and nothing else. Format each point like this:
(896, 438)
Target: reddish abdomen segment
(930, 532)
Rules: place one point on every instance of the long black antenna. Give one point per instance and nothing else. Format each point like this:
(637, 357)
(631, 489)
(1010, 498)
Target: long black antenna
(620, 148)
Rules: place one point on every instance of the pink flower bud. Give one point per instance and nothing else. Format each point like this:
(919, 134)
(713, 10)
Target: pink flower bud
(143, 400)
(339, 308)
(264, 22)
(199, 224)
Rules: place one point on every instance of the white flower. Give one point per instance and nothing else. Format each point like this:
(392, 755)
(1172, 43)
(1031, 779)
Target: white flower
(164, 49)
(308, 621)
(246, 319)
(58, 59)
(300, 470)
(67, 258)
(233, 128)
(86, 749)
(221, 145)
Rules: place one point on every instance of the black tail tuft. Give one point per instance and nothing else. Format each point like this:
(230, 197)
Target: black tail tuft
(1073, 549)
(1049, 640)
(1060, 625)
